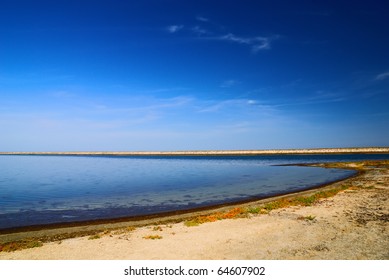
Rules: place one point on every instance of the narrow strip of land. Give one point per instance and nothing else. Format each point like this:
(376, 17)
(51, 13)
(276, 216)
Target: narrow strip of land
(372, 150)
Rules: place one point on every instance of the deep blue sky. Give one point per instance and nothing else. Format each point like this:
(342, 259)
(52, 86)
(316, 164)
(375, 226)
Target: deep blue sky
(189, 75)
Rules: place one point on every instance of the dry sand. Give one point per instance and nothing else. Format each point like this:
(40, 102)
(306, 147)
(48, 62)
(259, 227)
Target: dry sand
(364, 150)
(354, 224)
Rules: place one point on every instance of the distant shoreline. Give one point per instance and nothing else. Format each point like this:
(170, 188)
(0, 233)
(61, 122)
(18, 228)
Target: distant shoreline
(370, 150)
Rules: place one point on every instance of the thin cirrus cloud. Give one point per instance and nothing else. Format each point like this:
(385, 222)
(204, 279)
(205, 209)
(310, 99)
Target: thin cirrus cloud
(202, 19)
(382, 76)
(200, 31)
(174, 28)
(239, 106)
(256, 43)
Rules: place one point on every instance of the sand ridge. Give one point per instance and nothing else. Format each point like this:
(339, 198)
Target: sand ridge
(359, 150)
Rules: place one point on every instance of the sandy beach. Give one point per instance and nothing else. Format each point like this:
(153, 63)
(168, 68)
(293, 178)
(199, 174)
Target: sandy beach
(353, 224)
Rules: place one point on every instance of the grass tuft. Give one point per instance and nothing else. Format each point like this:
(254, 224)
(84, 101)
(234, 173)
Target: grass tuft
(92, 237)
(19, 245)
(253, 210)
(191, 223)
(310, 218)
(152, 237)
(232, 214)
(157, 228)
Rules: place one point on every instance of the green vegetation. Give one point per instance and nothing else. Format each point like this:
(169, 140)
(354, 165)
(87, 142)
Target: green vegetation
(310, 218)
(152, 237)
(231, 214)
(157, 228)
(19, 245)
(192, 223)
(265, 209)
(304, 200)
(254, 210)
(96, 236)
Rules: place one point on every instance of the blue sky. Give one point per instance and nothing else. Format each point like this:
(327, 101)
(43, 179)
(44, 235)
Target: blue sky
(193, 75)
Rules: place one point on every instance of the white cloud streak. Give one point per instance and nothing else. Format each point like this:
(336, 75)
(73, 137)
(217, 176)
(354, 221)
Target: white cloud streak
(238, 106)
(174, 28)
(256, 43)
(202, 19)
(382, 76)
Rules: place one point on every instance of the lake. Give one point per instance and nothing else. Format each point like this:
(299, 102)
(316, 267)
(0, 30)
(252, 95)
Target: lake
(41, 190)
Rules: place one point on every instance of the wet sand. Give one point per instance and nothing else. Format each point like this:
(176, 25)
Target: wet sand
(354, 224)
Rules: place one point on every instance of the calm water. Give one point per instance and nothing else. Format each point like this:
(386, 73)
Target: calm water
(50, 189)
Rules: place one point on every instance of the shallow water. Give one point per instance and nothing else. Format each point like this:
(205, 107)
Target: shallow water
(37, 190)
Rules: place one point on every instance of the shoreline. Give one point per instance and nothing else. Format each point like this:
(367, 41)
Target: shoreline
(372, 183)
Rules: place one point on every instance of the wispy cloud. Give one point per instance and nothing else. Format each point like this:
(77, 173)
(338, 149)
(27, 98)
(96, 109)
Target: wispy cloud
(137, 122)
(382, 76)
(324, 98)
(174, 28)
(139, 105)
(202, 19)
(200, 31)
(256, 43)
(236, 105)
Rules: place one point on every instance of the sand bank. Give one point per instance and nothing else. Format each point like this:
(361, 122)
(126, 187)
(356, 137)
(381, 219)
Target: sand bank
(354, 224)
(364, 150)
